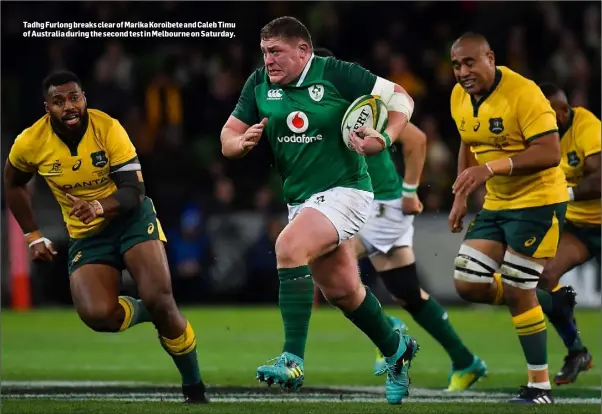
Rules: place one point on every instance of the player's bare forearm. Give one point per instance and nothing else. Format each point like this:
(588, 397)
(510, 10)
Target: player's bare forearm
(396, 124)
(541, 154)
(231, 143)
(110, 207)
(466, 158)
(413, 142)
(589, 187)
(18, 198)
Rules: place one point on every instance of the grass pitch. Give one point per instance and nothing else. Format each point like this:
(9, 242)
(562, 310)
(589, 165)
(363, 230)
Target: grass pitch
(52, 363)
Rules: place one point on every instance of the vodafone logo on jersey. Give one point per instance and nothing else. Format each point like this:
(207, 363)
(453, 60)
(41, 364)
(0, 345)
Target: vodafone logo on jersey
(297, 122)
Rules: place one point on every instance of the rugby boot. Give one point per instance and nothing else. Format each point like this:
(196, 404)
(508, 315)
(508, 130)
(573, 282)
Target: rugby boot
(379, 365)
(397, 384)
(531, 395)
(463, 379)
(287, 372)
(574, 363)
(195, 394)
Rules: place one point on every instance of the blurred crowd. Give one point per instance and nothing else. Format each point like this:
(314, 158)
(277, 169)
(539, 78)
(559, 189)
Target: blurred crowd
(173, 96)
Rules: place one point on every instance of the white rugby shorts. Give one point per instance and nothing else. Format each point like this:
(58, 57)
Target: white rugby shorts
(387, 228)
(347, 209)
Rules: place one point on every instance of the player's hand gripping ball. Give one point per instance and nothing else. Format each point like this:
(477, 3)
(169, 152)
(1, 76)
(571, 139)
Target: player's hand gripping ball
(365, 119)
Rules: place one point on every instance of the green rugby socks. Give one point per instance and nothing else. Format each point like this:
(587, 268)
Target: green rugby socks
(135, 312)
(295, 299)
(371, 319)
(433, 318)
(183, 352)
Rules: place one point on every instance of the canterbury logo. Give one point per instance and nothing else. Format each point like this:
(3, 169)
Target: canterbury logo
(530, 241)
(274, 94)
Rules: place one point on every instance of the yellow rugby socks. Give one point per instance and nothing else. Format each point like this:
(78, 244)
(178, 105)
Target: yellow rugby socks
(135, 312)
(183, 352)
(531, 329)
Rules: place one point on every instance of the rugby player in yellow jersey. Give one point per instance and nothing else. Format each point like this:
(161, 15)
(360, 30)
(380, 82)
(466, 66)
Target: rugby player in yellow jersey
(508, 129)
(92, 169)
(580, 142)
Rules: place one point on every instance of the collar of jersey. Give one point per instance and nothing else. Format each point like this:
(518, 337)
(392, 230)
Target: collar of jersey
(564, 129)
(301, 78)
(496, 81)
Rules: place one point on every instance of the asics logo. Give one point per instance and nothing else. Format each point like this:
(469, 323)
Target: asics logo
(530, 242)
(274, 94)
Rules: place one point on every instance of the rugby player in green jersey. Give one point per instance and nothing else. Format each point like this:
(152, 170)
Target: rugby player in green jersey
(297, 100)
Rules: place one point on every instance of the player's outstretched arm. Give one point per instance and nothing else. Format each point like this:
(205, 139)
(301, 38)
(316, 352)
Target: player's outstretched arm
(589, 187)
(238, 138)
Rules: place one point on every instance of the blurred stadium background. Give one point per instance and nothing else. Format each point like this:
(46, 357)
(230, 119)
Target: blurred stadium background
(173, 96)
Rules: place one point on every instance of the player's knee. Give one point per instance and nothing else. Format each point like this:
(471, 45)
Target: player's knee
(403, 284)
(520, 273)
(289, 251)
(473, 275)
(161, 304)
(101, 316)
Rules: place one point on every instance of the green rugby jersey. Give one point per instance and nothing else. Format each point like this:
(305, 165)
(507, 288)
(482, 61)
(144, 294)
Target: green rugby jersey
(304, 121)
(385, 179)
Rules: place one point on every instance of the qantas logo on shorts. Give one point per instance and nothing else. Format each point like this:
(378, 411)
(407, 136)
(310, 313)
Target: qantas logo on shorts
(298, 123)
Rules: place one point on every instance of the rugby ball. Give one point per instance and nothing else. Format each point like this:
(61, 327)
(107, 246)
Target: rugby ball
(367, 110)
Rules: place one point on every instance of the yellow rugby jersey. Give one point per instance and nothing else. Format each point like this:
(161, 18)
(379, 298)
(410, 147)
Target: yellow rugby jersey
(581, 139)
(85, 173)
(511, 114)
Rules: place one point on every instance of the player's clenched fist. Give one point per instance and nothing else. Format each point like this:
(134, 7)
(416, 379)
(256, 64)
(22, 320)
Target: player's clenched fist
(252, 135)
(85, 211)
(40, 247)
(411, 205)
(457, 214)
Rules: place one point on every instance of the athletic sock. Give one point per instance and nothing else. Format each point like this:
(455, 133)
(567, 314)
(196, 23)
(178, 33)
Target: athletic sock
(295, 299)
(183, 352)
(565, 325)
(135, 312)
(434, 319)
(372, 321)
(531, 329)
